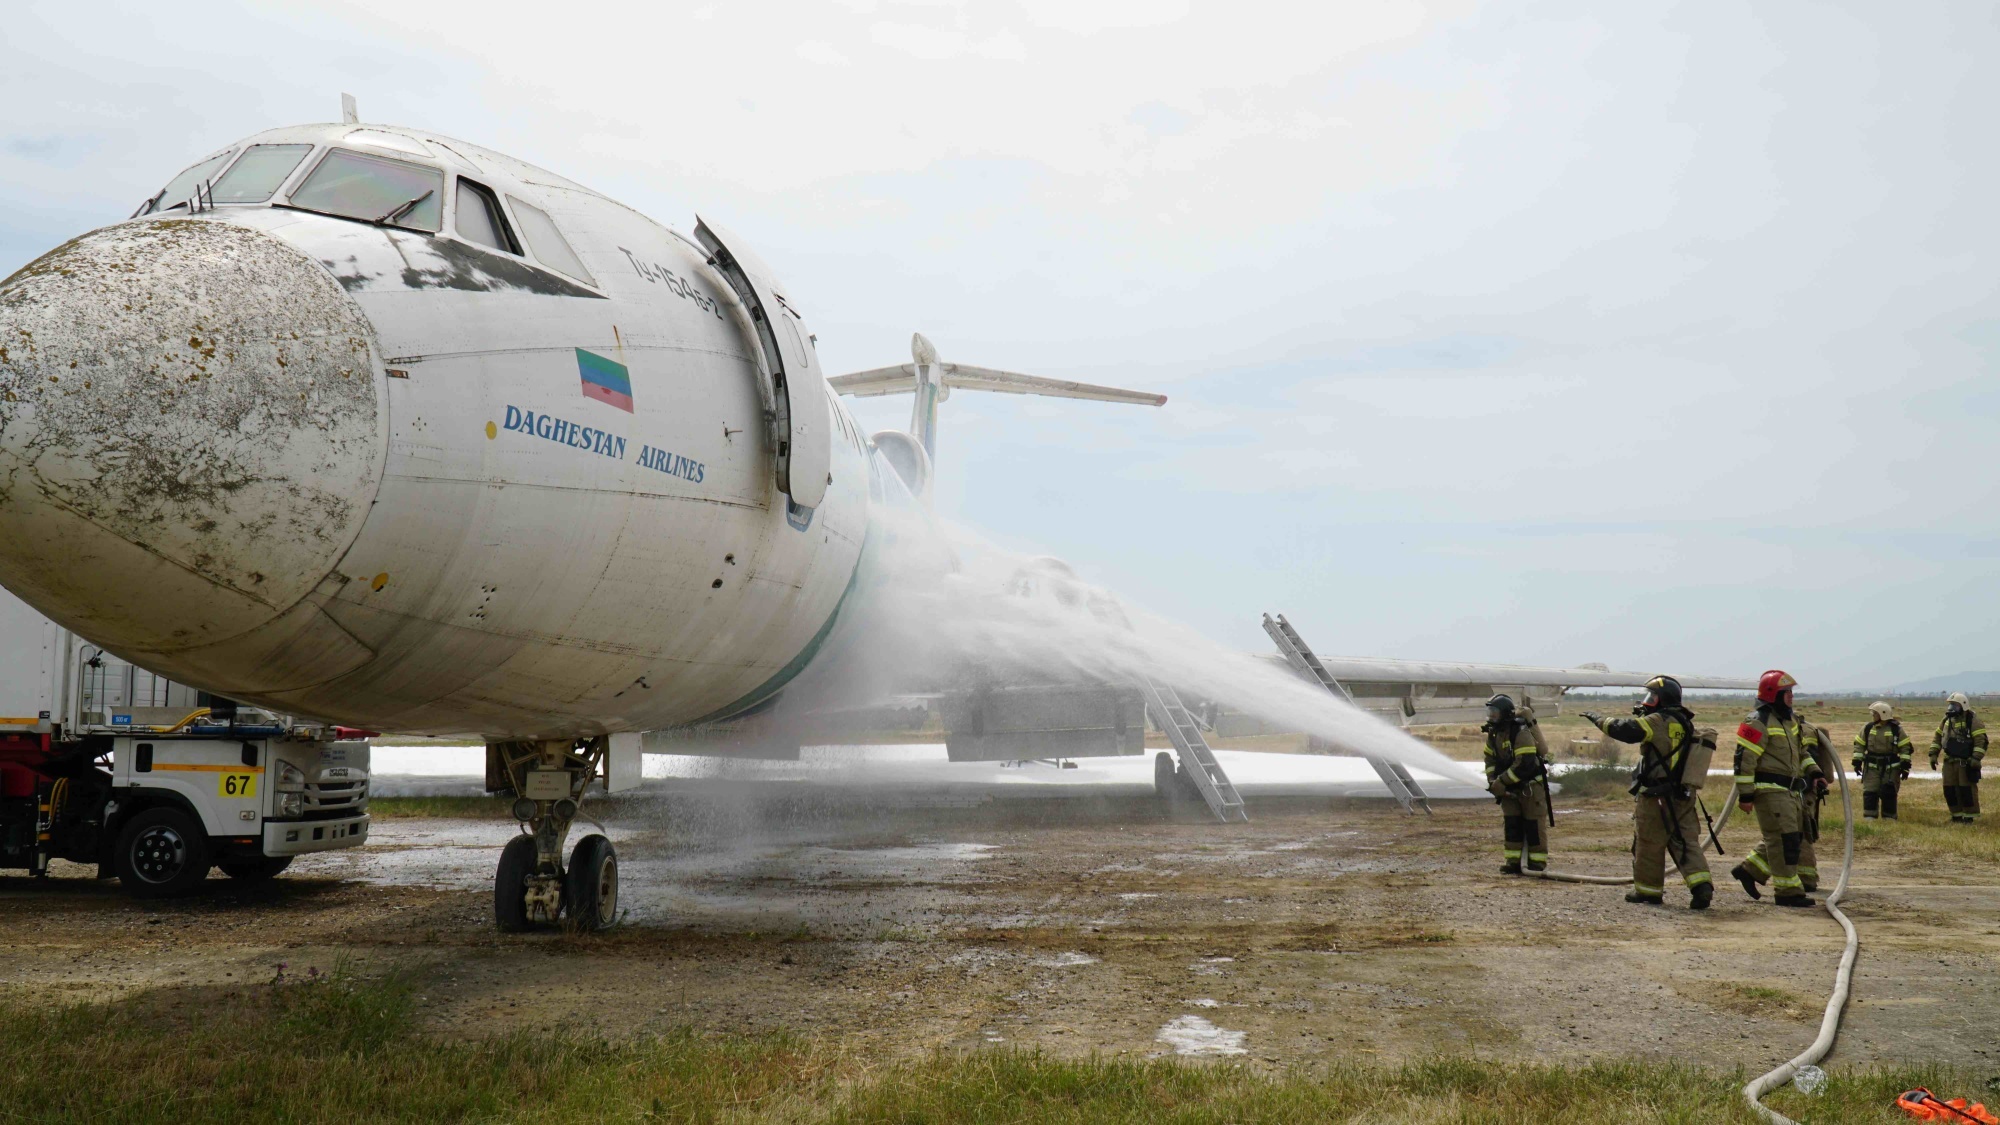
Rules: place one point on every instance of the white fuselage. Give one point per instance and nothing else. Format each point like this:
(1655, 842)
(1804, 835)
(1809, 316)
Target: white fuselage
(361, 473)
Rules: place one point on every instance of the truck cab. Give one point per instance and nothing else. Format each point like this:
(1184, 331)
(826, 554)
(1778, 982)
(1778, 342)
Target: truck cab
(154, 782)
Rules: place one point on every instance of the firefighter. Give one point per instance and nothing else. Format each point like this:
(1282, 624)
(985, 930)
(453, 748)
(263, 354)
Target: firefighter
(1962, 741)
(1771, 762)
(1663, 820)
(1812, 801)
(1882, 760)
(1517, 776)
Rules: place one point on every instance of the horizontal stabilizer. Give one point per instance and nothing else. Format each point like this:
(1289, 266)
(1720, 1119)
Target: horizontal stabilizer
(903, 380)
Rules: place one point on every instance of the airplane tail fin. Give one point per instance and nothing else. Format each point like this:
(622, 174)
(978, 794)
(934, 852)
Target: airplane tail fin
(932, 380)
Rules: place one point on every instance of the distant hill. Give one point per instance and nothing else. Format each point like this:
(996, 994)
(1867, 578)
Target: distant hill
(1971, 683)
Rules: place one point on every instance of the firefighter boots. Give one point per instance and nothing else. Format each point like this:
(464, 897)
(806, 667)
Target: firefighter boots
(1742, 875)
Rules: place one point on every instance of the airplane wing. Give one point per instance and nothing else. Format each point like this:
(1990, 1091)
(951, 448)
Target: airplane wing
(1429, 692)
(1371, 670)
(902, 379)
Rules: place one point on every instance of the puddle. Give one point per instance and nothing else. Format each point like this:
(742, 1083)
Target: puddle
(1202, 1002)
(1133, 896)
(916, 861)
(1193, 1035)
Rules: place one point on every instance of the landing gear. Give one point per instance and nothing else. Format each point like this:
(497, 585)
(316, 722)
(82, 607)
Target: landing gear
(510, 885)
(592, 884)
(533, 887)
(1171, 784)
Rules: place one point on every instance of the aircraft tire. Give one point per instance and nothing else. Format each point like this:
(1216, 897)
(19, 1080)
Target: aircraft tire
(1163, 777)
(510, 885)
(590, 887)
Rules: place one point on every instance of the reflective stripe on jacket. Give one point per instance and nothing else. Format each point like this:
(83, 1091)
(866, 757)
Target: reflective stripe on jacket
(1770, 753)
(1882, 742)
(1517, 756)
(1960, 736)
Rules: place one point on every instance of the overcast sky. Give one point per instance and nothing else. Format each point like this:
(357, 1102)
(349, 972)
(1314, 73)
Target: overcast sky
(1659, 335)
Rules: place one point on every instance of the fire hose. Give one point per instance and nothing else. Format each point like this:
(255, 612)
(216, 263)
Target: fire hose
(1843, 978)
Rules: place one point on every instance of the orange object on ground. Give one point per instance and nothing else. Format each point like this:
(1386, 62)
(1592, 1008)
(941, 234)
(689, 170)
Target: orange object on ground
(1926, 1106)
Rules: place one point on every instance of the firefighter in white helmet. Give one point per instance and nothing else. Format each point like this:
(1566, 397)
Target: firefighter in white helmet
(1882, 760)
(1961, 739)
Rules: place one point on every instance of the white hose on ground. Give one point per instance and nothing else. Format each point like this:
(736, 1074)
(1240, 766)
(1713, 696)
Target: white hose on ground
(1843, 979)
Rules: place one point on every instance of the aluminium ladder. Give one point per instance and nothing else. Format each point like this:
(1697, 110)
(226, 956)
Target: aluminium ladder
(1299, 655)
(1197, 760)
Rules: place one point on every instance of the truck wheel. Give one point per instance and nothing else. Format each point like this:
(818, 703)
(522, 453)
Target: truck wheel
(510, 885)
(591, 885)
(256, 868)
(162, 852)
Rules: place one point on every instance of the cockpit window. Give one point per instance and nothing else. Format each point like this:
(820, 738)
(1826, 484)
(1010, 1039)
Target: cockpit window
(547, 242)
(477, 218)
(255, 177)
(178, 189)
(374, 189)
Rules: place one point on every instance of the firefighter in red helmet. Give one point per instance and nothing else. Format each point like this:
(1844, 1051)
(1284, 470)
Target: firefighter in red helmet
(1771, 776)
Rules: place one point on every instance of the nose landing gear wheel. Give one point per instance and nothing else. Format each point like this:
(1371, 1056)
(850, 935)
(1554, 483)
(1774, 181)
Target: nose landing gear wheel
(510, 885)
(590, 888)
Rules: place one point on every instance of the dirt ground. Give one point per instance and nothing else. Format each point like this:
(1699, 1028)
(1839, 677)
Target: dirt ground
(1320, 929)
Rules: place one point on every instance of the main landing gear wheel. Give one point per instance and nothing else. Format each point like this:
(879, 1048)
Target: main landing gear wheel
(162, 852)
(590, 888)
(256, 868)
(1172, 785)
(510, 885)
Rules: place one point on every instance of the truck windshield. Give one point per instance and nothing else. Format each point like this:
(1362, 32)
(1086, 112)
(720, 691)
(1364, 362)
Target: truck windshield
(178, 189)
(255, 177)
(374, 189)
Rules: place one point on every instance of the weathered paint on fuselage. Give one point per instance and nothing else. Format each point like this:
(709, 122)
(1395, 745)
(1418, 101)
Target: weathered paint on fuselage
(518, 558)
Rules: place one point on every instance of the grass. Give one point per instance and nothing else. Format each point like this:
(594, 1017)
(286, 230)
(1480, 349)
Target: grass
(1921, 833)
(335, 1048)
(453, 808)
(1593, 782)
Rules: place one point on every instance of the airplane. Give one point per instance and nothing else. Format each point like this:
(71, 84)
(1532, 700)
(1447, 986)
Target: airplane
(370, 424)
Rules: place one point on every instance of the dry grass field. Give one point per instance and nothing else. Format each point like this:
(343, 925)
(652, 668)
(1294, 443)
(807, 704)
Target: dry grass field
(807, 958)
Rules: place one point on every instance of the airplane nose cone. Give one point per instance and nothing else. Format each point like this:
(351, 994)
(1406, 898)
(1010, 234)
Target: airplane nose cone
(192, 428)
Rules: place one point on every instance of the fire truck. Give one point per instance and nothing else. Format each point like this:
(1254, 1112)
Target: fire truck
(156, 783)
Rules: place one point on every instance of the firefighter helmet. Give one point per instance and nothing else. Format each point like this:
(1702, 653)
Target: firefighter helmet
(1958, 701)
(1882, 710)
(1663, 691)
(1775, 686)
(1503, 704)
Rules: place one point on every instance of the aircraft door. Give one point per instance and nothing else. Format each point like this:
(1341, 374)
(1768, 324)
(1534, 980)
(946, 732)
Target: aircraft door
(803, 430)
